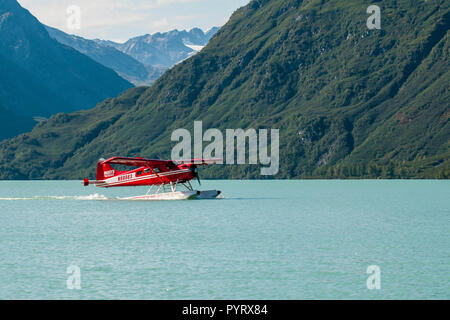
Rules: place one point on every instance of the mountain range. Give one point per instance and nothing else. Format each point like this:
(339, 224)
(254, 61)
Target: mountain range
(140, 60)
(349, 102)
(41, 77)
(44, 71)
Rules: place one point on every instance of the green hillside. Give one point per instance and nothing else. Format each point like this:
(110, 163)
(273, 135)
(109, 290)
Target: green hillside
(349, 102)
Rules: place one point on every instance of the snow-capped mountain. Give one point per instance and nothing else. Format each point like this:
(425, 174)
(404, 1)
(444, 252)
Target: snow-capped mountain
(163, 50)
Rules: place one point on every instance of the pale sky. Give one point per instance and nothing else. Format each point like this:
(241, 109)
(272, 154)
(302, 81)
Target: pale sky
(119, 20)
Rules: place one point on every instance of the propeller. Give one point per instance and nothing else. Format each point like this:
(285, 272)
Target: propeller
(194, 171)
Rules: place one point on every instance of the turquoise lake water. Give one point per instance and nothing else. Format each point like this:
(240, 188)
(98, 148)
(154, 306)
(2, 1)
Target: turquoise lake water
(263, 240)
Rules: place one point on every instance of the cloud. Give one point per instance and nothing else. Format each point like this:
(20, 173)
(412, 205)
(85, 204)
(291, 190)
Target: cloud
(162, 23)
(166, 2)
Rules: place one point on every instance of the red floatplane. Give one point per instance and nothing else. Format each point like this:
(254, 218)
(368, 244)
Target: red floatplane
(164, 176)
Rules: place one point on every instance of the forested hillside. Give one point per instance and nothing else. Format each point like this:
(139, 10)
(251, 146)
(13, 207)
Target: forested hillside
(348, 101)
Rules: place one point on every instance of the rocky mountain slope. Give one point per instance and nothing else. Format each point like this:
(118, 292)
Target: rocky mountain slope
(126, 66)
(40, 77)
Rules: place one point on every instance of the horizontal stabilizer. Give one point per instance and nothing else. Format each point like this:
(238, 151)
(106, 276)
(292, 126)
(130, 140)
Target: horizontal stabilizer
(87, 182)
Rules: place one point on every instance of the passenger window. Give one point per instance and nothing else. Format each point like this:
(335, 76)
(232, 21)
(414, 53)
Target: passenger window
(147, 170)
(139, 173)
(156, 170)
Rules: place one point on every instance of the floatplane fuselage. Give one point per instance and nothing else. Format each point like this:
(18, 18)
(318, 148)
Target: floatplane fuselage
(163, 176)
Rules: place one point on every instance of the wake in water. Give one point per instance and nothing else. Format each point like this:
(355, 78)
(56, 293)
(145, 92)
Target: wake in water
(94, 196)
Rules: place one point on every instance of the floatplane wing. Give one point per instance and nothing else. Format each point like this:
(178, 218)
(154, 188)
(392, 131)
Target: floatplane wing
(200, 162)
(138, 162)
